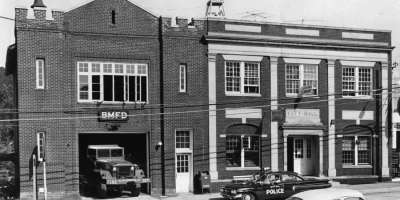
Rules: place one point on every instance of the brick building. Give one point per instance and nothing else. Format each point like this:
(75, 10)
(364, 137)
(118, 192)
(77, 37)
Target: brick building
(234, 96)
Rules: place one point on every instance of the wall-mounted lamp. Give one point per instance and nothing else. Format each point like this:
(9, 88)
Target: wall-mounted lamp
(158, 145)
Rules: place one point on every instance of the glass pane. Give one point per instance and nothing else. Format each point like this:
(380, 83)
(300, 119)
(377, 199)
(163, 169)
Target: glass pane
(298, 148)
(116, 152)
(108, 87)
(103, 153)
(96, 87)
(143, 89)
(118, 88)
(233, 151)
(232, 76)
(132, 89)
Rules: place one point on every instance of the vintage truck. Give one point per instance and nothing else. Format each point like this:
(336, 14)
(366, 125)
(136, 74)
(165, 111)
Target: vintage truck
(108, 171)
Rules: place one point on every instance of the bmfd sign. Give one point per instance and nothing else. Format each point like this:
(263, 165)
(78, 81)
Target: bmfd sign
(113, 116)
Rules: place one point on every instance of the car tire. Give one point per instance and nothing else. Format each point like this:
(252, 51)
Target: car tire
(100, 192)
(248, 196)
(134, 191)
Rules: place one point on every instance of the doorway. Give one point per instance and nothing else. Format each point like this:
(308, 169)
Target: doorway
(304, 155)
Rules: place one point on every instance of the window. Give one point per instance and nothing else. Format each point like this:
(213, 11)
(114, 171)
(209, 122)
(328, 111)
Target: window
(113, 17)
(39, 73)
(301, 79)
(356, 150)
(182, 140)
(41, 144)
(242, 77)
(356, 81)
(112, 82)
(182, 163)
(182, 78)
(242, 151)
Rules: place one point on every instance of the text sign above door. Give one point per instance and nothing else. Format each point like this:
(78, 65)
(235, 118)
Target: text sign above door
(303, 116)
(113, 116)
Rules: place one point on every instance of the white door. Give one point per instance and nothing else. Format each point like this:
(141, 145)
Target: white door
(183, 163)
(303, 156)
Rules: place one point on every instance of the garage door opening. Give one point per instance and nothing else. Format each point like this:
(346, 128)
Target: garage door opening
(135, 151)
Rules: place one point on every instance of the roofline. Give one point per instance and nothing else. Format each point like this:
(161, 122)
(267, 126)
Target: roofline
(130, 1)
(297, 25)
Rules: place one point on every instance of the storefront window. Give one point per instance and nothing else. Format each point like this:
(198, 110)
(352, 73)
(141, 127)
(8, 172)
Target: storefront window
(242, 151)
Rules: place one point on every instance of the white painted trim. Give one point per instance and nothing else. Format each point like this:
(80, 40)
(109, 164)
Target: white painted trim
(294, 39)
(274, 106)
(212, 116)
(331, 116)
(302, 61)
(384, 131)
(321, 156)
(354, 63)
(243, 28)
(40, 65)
(357, 115)
(241, 168)
(354, 35)
(306, 32)
(298, 132)
(296, 53)
(242, 58)
(240, 113)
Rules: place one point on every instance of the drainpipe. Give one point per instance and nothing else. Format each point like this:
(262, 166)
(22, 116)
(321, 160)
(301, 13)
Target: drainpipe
(161, 71)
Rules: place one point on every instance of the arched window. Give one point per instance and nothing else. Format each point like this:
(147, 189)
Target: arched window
(242, 146)
(356, 145)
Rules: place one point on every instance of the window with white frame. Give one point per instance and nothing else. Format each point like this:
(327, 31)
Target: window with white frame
(182, 78)
(41, 142)
(112, 82)
(356, 81)
(356, 150)
(242, 77)
(301, 78)
(182, 139)
(242, 151)
(39, 73)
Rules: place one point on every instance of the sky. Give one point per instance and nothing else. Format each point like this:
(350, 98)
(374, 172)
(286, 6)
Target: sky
(371, 14)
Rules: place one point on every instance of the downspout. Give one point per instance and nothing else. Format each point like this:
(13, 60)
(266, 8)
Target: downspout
(161, 74)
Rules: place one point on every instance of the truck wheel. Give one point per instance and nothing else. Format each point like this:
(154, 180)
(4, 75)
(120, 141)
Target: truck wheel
(135, 191)
(102, 193)
(248, 196)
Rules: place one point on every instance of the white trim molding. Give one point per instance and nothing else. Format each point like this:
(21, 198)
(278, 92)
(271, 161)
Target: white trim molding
(243, 28)
(306, 32)
(357, 63)
(302, 61)
(355, 35)
(357, 115)
(212, 116)
(242, 58)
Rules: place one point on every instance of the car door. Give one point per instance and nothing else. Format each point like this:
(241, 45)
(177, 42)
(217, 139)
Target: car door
(273, 186)
(289, 181)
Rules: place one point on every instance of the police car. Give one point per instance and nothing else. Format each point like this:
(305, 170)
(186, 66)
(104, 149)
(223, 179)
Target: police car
(271, 185)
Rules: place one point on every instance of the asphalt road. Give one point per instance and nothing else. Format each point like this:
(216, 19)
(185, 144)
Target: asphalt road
(376, 191)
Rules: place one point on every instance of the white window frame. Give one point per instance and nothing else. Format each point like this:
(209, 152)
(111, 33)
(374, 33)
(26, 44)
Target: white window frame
(357, 81)
(301, 79)
(182, 77)
(242, 77)
(41, 146)
(242, 153)
(184, 150)
(125, 73)
(40, 73)
(356, 161)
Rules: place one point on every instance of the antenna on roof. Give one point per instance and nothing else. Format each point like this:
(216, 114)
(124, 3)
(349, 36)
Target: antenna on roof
(215, 8)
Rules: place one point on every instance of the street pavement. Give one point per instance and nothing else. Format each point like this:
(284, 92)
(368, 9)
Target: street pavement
(375, 191)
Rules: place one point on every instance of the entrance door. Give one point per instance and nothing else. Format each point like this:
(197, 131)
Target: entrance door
(303, 155)
(183, 163)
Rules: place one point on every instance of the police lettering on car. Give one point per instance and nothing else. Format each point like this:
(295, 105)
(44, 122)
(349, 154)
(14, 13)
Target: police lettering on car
(275, 191)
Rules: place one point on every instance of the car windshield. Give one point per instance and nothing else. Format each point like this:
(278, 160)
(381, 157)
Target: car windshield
(116, 152)
(103, 153)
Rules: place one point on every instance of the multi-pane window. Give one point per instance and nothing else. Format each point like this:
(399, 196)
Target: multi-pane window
(242, 151)
(356, 150)
(356, 81)
(182, 139)
(182, 78)
(301, 79)
(39, 73)
(112, 82)
(182, 163)
(242, 77)
(298, 148)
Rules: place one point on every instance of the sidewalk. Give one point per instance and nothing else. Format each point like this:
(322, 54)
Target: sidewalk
(373, 188)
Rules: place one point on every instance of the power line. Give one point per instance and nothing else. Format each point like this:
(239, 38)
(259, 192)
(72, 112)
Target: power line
(181, 112)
